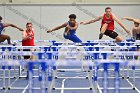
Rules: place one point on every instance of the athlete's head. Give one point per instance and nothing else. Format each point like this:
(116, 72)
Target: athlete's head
(72, 19)
(136, 24)
(108, 10)
(0, 18)
(29, 26)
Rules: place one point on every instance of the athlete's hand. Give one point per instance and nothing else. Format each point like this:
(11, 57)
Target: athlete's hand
(49, 31)
(68, 26)
(125, 18)
(129, 33)
(21, 29)
(82, 23)
(30, 36)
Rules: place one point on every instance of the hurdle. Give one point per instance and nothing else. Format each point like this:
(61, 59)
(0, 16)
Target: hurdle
(106, 63)
(39, 49)
(125, 43)
(9, 48)
(95, 47)
(124, 47)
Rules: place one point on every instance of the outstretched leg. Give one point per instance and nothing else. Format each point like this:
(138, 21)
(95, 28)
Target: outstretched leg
(75, 39)
(103, 29)
(5, 37)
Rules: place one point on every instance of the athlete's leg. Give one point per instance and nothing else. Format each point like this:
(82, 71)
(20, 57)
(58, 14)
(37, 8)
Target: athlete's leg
(5, 37)
(113, 35)
(118, 39)
(75, 39)
(103, 29)
(32, 57)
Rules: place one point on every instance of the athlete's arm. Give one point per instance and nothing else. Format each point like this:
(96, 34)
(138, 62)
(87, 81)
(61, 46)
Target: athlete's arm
(92, 21)
(75, 27)
(137, 20)
(132, 19)
(57, 28)
(119, 22)
(25, 37)
(12, 25)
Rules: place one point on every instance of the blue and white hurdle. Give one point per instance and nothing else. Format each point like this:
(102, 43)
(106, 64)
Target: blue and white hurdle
(9, 48)
(95, 50)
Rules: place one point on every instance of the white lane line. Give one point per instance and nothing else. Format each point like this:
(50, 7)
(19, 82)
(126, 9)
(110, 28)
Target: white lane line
(63, 85)
(14, 82)
(100, 91)
(25, 89)
(132, 86)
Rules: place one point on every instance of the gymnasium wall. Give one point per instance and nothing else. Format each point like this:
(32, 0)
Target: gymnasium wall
(48, 16)
(70, 1)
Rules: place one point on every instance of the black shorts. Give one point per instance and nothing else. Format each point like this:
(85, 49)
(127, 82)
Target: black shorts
(111, 34)
(138, 37)
(26, 57)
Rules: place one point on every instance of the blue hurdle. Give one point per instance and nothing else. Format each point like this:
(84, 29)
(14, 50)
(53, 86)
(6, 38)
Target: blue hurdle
(93, 53)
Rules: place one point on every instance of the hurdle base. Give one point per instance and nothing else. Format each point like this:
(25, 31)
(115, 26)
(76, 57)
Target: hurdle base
(61, 70)
(3, 88)
(122, 77)
(53, 88)
(9, 88)
(133, 88)
(127, 77)
(56, 77)
(90, 88)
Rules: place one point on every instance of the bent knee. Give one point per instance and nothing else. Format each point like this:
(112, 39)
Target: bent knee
(119, 39)
(7, 37)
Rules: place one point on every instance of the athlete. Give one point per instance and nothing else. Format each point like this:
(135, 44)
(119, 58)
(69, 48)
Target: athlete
(136, 28)
(28, 38)
(6, 37)
(70, 29)
(107, 25)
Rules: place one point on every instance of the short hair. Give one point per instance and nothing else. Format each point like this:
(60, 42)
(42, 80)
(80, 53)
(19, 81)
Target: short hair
(0, 18)
(72, 16)
(107, 8)
(29, 23)
(135, 23)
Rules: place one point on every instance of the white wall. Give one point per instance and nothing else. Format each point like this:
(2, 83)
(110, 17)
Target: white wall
(70, 1)
(53, 15)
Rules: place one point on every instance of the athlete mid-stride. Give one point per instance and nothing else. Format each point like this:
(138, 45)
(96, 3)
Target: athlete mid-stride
(107, 25)
(70, 29)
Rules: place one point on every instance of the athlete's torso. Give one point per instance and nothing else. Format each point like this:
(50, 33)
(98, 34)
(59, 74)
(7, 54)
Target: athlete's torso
(1, 27)
(109, 21)
(28, 42)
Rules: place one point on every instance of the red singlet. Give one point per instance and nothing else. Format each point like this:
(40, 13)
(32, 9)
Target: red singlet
(28, 42)
(108, 21)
